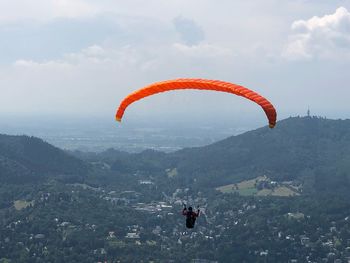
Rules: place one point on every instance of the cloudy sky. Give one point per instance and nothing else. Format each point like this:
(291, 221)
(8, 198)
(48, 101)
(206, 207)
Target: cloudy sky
(81, 57)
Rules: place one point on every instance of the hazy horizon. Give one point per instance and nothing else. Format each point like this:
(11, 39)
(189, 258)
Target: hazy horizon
(134, 135)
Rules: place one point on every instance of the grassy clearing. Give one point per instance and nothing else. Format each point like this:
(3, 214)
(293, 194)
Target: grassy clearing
(278, 191)
(284, 191)
(248, 183)
(241, 187)
(248, 191)
(248, 188)
(21, 204)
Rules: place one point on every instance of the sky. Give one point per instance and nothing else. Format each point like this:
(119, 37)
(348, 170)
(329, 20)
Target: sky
(81, 57)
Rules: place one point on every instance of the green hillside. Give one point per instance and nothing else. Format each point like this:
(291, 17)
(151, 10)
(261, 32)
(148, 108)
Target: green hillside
(312, 150)
(309, 149)
(24, 158)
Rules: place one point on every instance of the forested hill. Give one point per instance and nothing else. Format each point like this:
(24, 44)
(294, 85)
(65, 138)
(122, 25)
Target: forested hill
(299, 147)
(24, 158)
(313, 150)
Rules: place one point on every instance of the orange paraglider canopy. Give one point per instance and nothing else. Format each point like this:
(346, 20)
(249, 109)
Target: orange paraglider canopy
(200, 84)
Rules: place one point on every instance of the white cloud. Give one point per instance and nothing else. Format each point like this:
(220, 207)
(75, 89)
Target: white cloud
(320, 37)
(93, 57)
(141, 57)
(30, 64)
(97, 77)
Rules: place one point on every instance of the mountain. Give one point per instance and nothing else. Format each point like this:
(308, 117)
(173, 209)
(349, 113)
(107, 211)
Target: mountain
(295, 148)
(315, 151)
(24, 158)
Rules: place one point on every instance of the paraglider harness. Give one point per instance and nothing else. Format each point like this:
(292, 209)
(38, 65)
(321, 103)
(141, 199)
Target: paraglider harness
(190, 216)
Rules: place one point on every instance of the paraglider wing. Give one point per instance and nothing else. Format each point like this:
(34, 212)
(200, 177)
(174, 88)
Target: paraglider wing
(200, 84)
